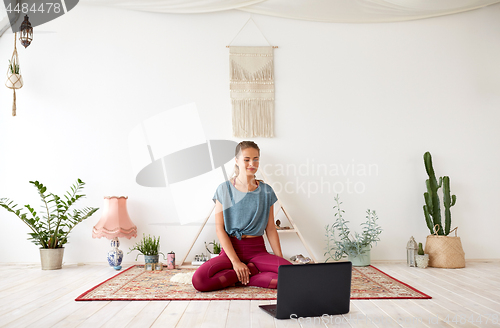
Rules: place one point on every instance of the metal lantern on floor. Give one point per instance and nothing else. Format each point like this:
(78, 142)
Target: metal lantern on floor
(26, 32)
(411, 252)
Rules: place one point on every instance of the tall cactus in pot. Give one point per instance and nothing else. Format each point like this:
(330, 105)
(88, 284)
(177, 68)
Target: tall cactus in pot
(447, 202)
(432, 207)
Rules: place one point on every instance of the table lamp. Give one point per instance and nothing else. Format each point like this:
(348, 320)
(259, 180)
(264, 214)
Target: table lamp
(115, 223)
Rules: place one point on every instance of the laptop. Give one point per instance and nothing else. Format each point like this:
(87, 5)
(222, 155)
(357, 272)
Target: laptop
(311, 290)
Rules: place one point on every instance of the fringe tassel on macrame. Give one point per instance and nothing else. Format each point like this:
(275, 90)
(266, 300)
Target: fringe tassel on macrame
(253, 118)
(251, 72)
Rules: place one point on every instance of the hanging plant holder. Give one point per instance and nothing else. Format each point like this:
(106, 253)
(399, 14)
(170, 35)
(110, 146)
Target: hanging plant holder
(14, 78)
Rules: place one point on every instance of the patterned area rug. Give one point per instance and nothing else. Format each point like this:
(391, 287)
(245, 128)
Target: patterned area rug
(136, 284)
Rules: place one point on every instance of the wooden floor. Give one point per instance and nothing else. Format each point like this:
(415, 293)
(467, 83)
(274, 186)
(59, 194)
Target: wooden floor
(30, 297)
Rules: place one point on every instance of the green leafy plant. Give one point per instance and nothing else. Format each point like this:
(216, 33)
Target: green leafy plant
(340, 241)
(14, 68)
(50, 229)
(147, 246)
(432, 207)
(216, 248)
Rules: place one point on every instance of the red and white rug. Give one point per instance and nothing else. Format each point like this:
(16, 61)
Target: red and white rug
(136, 284)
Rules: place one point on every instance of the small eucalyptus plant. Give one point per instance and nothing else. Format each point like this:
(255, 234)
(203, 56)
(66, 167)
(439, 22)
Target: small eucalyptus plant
(346, 244)
(51, 227)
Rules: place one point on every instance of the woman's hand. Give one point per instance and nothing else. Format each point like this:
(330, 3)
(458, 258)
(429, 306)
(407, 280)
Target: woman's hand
(242, 271)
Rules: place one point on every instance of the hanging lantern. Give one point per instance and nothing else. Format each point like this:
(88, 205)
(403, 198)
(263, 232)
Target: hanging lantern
(411, 252)
(14, 78)
(26, 32)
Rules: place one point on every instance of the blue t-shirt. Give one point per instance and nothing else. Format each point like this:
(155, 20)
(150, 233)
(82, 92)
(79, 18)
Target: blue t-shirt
(245, 213)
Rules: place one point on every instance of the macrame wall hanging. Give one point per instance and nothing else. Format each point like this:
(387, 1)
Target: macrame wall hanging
(251, 74)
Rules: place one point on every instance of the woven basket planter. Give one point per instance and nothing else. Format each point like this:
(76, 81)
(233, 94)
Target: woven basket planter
(445, 251)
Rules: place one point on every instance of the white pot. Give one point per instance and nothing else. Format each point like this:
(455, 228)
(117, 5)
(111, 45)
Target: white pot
(14, 81)
(422, 261)
(213, 255)
(51, 258)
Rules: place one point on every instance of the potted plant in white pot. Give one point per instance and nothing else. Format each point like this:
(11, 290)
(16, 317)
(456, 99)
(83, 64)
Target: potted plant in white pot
(14, 78)
(421, 259)
(356, 247)
(51, 227)
(216, 248)
(150, 248)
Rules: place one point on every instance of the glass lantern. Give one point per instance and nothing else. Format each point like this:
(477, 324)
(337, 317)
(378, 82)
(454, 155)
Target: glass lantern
(411, 252)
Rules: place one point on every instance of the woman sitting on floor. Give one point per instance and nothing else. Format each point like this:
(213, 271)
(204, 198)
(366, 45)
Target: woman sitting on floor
(243, 210)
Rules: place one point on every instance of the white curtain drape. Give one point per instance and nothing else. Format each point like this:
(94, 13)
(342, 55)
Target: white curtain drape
(331, 11)
(363, 11)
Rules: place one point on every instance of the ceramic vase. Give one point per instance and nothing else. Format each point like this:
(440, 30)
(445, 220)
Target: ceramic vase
(115, 255)
(151, 258)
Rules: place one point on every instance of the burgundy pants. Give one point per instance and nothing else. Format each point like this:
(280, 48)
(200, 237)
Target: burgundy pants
(218, 272)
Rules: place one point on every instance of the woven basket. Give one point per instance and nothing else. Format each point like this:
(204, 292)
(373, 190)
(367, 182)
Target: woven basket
(444, 251)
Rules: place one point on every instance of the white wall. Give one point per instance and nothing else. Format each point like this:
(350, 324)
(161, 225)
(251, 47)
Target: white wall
(346, 94)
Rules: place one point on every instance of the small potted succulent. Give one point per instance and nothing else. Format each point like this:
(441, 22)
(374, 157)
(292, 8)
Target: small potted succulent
(150, 248)
(421, 258)
(356, 247)
(216, 248)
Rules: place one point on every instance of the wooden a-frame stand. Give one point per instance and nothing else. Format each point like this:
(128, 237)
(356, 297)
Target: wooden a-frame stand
(277, 209)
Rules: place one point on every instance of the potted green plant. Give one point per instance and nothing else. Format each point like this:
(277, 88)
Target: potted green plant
(421, 259)
(150, 248)
(444, 251)
(356, 247)
(51, 227)
(216, 248)
(14, 78)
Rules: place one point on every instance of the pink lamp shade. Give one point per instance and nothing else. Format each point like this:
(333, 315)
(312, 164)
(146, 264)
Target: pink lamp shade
(114, 221)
